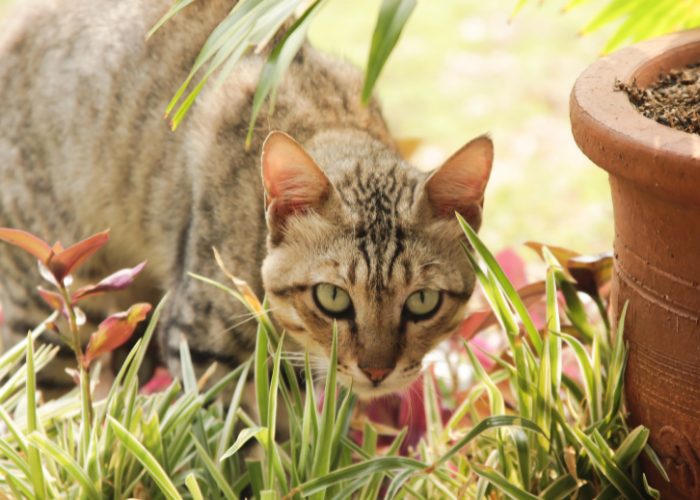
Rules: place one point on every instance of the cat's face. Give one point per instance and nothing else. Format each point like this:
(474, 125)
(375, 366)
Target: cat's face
(360, 238)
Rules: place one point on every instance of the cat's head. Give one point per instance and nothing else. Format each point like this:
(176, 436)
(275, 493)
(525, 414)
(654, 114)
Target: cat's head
(358, 236)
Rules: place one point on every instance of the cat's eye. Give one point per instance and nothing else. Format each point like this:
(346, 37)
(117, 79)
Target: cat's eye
(423, 303)
(332, 300)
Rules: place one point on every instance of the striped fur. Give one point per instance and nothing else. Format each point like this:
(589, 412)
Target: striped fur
(379, 236)
(83, 146)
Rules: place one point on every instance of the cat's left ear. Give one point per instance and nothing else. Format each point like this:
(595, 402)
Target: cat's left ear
(293, 182)
(459, 184)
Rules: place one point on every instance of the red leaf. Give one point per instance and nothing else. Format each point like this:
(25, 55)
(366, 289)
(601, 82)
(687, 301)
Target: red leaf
(160, 381)
(114, 331)
(591, 271)
(476, 322)
(117, 281)
(27, 242)
(57, 247)
(65, 261)
(53, 299)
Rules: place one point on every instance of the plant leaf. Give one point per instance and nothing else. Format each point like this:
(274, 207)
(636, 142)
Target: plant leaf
(278, 61)
(503, 484)
(116, 281)
(392, 18)
(114, 331)
(149, 462)
(322, 457)
(591, 272)
(66, 462)
(33, 458)
(27, 242)
(66, 261)
(53, 299)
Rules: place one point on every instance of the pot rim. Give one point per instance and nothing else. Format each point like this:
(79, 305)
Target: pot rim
(618, 138)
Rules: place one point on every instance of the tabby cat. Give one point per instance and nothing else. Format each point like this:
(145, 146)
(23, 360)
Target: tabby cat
(340, 228)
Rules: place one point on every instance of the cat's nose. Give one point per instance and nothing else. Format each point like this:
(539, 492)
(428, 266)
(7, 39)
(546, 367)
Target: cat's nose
(376, 375)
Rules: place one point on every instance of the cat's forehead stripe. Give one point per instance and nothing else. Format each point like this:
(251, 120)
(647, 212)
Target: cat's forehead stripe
(379, 198)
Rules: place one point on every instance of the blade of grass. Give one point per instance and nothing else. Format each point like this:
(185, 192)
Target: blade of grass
(341, 423)
(70, 466)
(309, 427)
(589, 381)
(491, 422)
(262, 375)
(235, 403)
(607, 467)
(274, 465)
(378, 464)
(500, 482)
(214, 471)
(18, 351)
(193, 487)
(14, 430)
(19, 488)
(563, 487)
(7, 452)
(151, 465)
(504, 283)
(33, 458)
(631, 447)
(243, 437)
(174, 9)
(278, 61)
(323, 451)
(392, 18)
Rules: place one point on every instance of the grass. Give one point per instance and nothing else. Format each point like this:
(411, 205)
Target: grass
(524, 429)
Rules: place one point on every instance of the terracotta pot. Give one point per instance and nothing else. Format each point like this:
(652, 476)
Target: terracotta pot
(654, 176)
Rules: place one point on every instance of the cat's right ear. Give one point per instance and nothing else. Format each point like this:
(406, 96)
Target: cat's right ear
(293, 182)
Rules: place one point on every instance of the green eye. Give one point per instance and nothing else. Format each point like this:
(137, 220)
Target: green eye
(332, 300)
(423, 302)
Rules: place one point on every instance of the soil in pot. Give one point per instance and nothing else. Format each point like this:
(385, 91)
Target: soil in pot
(673, 100)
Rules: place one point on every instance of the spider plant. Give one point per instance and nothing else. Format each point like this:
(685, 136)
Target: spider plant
(523, 429)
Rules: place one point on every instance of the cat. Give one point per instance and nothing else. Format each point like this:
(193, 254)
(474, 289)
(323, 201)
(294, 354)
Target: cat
(321, 213)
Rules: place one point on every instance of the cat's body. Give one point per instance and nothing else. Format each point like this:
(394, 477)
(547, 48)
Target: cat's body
(83, 147)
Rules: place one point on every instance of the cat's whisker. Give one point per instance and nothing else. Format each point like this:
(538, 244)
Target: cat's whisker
(236, 325)
(247, 314)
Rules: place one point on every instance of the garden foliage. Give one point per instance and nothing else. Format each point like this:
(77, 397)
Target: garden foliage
(523, 429)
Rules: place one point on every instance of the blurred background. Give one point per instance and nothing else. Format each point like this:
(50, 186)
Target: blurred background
(463, 68)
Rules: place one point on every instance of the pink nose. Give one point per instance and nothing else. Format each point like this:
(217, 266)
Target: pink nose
(376, 375)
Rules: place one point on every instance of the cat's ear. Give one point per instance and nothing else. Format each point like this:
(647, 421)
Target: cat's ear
(292, 180)
(459, 184)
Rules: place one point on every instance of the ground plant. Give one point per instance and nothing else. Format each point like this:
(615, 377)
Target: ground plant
(526, 427)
